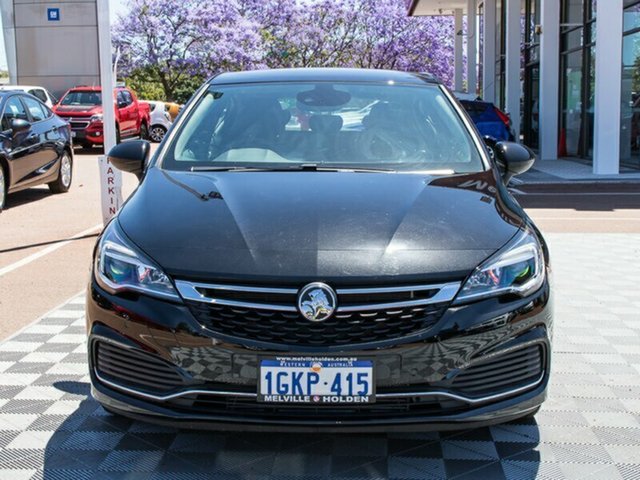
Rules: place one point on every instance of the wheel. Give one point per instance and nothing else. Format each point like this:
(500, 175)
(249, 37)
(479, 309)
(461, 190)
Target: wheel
(3, 188)
(156, 133)
(144, 131)
(63, 182)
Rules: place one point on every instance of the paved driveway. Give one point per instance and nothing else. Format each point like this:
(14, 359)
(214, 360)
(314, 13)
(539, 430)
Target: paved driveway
(589, 428)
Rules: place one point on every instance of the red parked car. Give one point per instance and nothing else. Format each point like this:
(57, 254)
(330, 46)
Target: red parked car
(82, 108)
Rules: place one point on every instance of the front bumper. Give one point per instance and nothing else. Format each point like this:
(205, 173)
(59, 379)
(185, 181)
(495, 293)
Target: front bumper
(415, 381)
(92, 133)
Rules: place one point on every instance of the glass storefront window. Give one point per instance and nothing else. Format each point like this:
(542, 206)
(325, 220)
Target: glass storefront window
(499, 83)
(531, 73)
(573, 11)
(631, 18)
(572, 101)
(573, 39)
(577, 78)
(630, 106)
(481, 47)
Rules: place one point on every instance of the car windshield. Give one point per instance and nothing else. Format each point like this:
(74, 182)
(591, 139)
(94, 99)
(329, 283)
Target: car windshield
(283, 126)
(82, 98)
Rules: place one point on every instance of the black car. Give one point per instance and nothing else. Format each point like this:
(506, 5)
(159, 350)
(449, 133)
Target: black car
(35, 146)
(321, 249)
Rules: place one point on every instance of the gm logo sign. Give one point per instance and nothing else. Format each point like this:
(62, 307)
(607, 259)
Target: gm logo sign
(53, 14)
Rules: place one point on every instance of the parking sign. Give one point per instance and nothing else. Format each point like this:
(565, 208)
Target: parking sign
(53, 14)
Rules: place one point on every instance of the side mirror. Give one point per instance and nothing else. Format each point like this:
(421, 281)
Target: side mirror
(515, 158)
(19, 125)
(131, 156)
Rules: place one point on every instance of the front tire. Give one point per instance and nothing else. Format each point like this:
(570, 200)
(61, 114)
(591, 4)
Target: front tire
(3, 188)
(65, 175)
(157, 133)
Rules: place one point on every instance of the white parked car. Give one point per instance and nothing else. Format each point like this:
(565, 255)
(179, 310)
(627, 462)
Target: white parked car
(160, 120)
(40, 93)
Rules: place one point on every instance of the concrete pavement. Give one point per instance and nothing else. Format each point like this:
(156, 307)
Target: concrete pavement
(41, 264)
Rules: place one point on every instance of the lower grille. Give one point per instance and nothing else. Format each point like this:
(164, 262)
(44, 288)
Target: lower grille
(135, 369)
(383, 408)
(500, 373)
(290, 328)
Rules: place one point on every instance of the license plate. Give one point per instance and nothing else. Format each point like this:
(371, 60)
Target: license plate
(328, 381)
(73, 134)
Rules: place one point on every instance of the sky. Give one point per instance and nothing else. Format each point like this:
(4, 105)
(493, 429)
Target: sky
(115, 7)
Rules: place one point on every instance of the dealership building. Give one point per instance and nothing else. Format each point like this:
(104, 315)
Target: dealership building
(566, 71)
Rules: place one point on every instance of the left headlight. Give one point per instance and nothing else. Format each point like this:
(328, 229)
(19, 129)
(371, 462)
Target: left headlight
(96, 118)
(120, 266)
(518, 268)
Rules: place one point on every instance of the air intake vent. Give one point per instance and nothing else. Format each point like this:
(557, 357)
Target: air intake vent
(503, 372)
(135, 368)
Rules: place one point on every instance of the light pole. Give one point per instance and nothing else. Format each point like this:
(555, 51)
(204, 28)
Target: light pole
(110, 177)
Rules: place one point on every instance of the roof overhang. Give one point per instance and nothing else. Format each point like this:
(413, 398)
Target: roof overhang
(435, 7)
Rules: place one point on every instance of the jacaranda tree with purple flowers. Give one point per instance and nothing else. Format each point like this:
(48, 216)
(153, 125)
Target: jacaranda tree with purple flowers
(171, 45)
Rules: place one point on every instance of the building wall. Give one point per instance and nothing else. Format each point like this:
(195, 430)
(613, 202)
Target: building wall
(54, 54)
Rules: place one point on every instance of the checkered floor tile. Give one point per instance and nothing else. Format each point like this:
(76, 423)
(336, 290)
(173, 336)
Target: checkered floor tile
(50, 428)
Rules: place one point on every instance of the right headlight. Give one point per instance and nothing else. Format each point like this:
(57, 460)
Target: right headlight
(120, 266)
(517, 268)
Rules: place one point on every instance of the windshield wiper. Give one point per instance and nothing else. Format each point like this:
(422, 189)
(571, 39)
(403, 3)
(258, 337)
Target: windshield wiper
(306, 167)
(226, 169)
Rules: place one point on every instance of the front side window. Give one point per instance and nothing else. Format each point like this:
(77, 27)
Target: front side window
(14, 109)
(342, 125)
(78, 97)
(126, 97)
(35, 109)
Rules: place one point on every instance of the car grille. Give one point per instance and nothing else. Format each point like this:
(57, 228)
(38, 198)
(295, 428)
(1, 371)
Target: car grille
(134, 368)
(500, 373)
(363, 315)
(293, 329)
(77, 123)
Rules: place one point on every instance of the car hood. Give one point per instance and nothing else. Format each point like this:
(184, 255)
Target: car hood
(304, 226)
(77, 109)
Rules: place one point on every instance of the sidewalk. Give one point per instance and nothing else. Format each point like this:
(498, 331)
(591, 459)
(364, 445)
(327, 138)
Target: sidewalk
(571, 171)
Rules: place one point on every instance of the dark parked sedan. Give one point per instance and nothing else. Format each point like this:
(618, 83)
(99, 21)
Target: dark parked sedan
(321, 249)
(35, 146)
